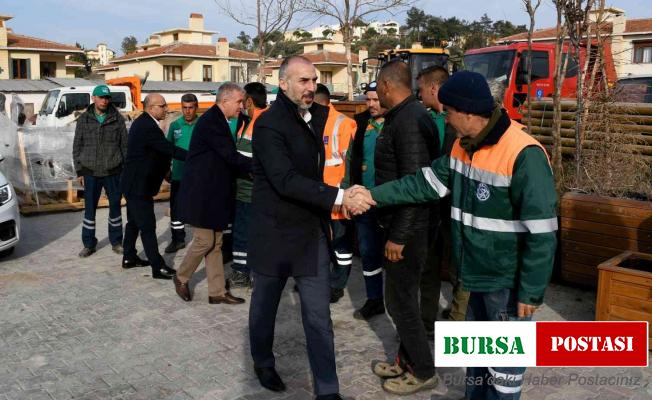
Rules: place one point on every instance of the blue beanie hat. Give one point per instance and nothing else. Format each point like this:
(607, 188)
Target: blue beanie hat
(467, 92)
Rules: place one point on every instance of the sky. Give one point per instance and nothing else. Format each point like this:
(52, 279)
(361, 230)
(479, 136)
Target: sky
(94, 21)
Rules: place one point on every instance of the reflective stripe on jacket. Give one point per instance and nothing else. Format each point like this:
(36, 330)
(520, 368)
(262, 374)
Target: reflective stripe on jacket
(338, 133)
(504, 211)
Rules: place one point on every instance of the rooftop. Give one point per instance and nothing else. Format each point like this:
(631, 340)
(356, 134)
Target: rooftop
(15, 41)
(185, 50)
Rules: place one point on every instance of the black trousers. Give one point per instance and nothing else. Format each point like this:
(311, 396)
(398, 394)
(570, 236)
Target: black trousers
(314, 292)
(141, 219)
(431, 278)
(402, 280)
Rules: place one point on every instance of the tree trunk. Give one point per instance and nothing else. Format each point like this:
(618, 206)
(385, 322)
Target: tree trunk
(261, 46)
(560, 71)
(349, 65)
(529, 67)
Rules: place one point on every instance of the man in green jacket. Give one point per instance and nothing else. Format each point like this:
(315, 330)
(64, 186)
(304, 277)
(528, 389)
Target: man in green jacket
(430, 80)
(503, 213)
(179, 134)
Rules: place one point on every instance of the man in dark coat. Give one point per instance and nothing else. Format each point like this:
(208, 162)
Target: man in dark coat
(207, 193)
(146, 164)
(291, 207)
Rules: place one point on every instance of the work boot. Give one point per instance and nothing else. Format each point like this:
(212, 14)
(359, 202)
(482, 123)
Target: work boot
(239, 280)
(117, 248)
(407, 384)
(385, 370)
(86, 251)
(336, 295)
(371, 308)
(174, 246)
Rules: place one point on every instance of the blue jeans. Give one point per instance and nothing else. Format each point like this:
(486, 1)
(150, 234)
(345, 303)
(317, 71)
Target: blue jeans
(92, 191)
(343, 246)
(372, 250)
(506, 382)
(240, 234)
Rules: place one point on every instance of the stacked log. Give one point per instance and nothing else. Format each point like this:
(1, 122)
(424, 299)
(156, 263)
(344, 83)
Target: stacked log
(631, 119)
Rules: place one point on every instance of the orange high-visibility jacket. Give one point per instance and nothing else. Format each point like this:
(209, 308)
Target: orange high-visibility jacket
(338, 134)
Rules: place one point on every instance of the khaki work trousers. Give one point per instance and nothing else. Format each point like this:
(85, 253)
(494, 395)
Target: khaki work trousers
(206, 244)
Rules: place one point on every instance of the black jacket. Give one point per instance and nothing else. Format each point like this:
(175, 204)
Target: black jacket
(207, 187)
(148, 158)
(290, 205)
(407, 142)
(99, 149)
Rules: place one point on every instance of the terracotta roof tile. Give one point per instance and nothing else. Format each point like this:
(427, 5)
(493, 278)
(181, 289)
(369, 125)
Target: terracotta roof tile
(74, 64)
(326, 57)
(631, 26)
(185, 49)
(638, 25)
(28, 42)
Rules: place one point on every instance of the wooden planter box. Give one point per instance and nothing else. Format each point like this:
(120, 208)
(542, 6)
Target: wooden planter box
(595, 229)
(625, 289)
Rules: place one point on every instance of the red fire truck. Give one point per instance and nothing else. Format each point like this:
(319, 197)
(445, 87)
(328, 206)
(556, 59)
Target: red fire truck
(504, 67)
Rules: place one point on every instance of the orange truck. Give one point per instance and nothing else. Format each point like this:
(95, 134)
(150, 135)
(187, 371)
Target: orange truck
(135, 84)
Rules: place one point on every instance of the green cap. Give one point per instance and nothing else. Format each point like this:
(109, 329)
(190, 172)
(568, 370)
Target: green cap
(101, 91)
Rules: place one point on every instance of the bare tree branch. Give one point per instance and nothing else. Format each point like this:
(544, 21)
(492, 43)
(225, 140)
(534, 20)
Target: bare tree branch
(346, 12)
(267, 17)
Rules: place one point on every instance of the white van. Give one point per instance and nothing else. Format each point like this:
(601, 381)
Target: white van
(61, 105)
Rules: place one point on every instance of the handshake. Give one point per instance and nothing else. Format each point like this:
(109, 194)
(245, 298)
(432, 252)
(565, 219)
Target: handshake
(357, 200)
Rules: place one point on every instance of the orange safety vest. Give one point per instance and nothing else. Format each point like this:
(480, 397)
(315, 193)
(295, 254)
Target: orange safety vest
(248, 134)
(338, 133)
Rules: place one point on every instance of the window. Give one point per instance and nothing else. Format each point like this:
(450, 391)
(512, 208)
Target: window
(642, 52)
(175, 37)
(571, 67)
(119, 99)
(172, 73)
(48, 69)
(20, 68)
(208, 73)
(71, 102)
(320, 47)
(236, 74)
(540, 64)
(326, 77)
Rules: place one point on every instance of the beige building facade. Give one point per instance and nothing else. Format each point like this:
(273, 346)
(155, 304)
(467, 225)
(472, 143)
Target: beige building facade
(185, 54)
(25, 57)
(329, 58)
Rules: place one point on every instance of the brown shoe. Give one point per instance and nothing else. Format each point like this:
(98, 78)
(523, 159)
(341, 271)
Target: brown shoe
(228, 298)
(182, 289)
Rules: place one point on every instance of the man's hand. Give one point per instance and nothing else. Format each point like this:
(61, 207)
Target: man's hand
(357, 199)
(80, 179)
(526, 310)
(393, 251)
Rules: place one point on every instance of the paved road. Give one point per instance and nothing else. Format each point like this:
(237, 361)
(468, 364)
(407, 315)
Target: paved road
(86, 329)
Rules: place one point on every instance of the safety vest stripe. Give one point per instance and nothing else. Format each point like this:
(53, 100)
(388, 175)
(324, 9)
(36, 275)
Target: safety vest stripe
(480, 175)
(436, 184)
(372, 273)
(503, 225)
(245, 153)
(335, 158)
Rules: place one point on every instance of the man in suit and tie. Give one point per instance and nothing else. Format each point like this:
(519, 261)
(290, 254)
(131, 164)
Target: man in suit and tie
(291, 205)
(146, 164)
